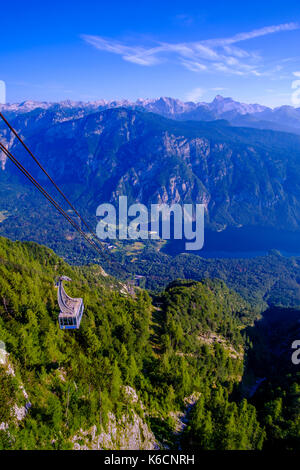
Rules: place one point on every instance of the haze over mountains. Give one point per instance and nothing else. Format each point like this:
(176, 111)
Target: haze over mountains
(243, 176)
(285, 118)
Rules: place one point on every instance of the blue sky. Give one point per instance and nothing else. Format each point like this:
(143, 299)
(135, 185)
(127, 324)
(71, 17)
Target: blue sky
(191, 50)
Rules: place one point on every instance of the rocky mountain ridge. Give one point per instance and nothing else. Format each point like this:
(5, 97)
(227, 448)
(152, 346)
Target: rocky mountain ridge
(244, 177)
(286, 118)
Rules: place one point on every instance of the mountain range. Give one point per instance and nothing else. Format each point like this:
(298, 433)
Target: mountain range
(286, 118)
(243, 176)
(183, 368)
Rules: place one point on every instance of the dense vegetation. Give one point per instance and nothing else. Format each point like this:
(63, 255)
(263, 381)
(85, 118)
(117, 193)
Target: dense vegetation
(278, 398)
(248, 177)
(189, 340)
(264, 280)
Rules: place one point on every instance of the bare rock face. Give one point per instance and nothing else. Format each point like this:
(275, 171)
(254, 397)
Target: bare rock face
(18, 411)
(130, 432)
(127, 433)
(3, 353)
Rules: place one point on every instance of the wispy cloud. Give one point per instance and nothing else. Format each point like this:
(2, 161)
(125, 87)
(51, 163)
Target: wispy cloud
(136, 54)
(195, 94)
(220, 54)
(255, 33)
(218, 88)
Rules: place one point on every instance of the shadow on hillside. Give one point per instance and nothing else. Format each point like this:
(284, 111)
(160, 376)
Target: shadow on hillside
(269, 357)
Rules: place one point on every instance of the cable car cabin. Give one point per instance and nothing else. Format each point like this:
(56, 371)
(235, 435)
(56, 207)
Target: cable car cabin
(71, 310)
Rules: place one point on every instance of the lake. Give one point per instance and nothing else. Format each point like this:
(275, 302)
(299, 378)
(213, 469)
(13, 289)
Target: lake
(244, 242)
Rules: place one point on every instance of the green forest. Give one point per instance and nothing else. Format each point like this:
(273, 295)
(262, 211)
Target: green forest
(263, 281)
(196, 339)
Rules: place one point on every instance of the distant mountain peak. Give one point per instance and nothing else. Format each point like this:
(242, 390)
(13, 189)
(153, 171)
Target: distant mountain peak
(285, 118)
(222, 98)
(174, 104)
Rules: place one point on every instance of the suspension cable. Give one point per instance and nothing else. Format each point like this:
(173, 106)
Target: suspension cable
(47, 195)
(50, 178)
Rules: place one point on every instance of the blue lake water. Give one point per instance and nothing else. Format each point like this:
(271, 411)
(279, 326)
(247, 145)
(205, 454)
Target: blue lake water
(245, 242)
(242, 254)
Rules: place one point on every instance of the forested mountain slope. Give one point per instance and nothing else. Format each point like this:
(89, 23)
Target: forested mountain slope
(131, 361)
(137, 367)
(245, 177)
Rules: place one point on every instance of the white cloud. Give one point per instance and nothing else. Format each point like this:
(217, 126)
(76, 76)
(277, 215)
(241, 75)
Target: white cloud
(194, 66)
(236, 52)
(195, 94)
(136, 54)
(260, 32)
(212, 54)
(218, 89)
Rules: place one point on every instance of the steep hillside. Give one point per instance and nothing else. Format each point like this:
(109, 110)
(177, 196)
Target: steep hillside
(126, 376)
(245, 177)
(248, 179)
(262, 280)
